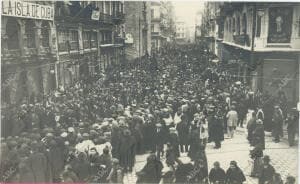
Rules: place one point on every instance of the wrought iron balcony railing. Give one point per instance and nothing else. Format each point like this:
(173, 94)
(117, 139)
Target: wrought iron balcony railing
(106, 18)
(241, 40)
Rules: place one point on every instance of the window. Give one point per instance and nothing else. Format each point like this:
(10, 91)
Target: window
(86, 39)
(74, 42)
(258, 26)
(298, 27)
(45, 34)
(93, 39)
(12, 32)
(100, 6)
(233, 25)
(229, 27)
(63, 40)
(238, 30)
(152, 13)
(30, 33)
(107, 7)
(244, 24)
(152, 27)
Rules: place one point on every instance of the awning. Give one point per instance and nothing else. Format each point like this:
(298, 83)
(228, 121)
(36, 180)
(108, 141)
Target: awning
(111, 45)
(107, 45)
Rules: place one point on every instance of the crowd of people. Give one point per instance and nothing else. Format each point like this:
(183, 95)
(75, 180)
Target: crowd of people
(168, 104)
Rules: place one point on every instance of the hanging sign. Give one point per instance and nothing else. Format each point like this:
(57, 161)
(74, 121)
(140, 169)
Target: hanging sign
(16, 8)
(95, 15)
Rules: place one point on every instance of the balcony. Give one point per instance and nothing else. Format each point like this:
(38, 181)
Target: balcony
(119, 40)
(155, 19)
(105, 18)
(103, 42)
(9, 56)
(242, 40)
(118, 17)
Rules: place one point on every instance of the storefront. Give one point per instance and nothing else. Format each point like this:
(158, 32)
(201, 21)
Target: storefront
(279, 71)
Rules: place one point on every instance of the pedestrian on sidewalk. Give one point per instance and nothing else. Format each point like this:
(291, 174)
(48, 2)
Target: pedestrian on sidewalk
(277, 123)
(183, 134)
(151, 172)
(217, 174)
(277, 179)
(256, 155)
(251, 125)
(290, 180)
(216, 126)
(292, 127)
(267, 172)
(232, 119)
(259, 134)
(234, 175)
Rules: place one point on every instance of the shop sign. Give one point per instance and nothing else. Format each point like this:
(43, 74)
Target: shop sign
(280, 24)
(129, 38)
(17, 8)
(95, 15)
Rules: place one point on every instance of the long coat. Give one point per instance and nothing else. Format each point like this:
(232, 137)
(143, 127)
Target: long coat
(151, 173)
(259, 136)
(235, 176)
(38, 163)
(217, 175)
(174, 141)
(216, 129)
(266, 174)
(25, 172)
(183, 132)
(56, 159)
(127, 151)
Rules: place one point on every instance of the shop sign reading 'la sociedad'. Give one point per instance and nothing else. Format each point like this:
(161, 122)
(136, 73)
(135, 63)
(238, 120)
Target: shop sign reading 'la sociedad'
(27, 10)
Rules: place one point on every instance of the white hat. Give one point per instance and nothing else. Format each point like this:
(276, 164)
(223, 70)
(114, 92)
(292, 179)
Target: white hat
(71, 129)
(172, 129)
(64, 134)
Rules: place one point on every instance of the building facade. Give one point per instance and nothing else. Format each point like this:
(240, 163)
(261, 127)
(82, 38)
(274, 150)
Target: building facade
(162, 24)
(28, 51)
(90, 38)
(137, 27)
(50, 45)
(262, 41)
(180, 31)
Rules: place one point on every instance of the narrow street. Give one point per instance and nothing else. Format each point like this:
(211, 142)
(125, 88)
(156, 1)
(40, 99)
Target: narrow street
(150, 92)
(284, 158)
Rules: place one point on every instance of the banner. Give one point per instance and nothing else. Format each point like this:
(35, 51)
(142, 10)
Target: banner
(16, 8)
(280, 24)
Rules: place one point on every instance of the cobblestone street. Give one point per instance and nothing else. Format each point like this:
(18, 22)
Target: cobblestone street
(283, 158)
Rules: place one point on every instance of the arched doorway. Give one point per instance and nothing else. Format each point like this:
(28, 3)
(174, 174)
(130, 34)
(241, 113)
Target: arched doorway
(12, 32)
(45, 31)
(30, 33)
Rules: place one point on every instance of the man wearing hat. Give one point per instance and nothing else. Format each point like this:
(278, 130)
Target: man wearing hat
(234, 175)
(259, 134)
(38, 162)
(267, 172)
(159, 139)
(277, 120)
(232, 119)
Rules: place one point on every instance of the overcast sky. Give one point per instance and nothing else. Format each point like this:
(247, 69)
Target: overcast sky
(186, 10)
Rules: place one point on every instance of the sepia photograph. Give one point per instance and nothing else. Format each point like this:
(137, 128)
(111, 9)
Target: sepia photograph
(150, 92)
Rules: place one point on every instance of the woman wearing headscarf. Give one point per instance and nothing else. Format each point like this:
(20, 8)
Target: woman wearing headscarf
(151, 172)
(267, 172)
(234, 175)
